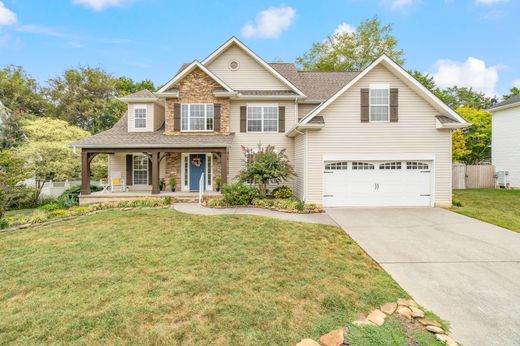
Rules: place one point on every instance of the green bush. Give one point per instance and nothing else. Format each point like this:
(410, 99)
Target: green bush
(456, 203)
(262, 202)
(216, 202)
(282, 192)
(50, 207)
(238, 194)
(70, 197)
(289, 204)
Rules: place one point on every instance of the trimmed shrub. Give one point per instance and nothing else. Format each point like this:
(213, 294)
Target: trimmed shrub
(216, 202)
(50, 206)
(238, 194)
(70, 197)
(282, 192)
(261, 202)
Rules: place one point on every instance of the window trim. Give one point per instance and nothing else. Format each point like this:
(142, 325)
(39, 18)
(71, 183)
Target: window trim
(145, 107)
(140, 170)
(263, 105)
(205, 117)
(378, 87)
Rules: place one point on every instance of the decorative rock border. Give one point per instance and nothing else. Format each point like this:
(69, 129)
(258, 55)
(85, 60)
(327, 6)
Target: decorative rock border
(403, 307)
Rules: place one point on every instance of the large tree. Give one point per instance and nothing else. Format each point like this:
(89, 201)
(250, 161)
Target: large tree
(512, 92)
(46, 153)
(477, 137)
(353, 51)
(12, 173)
(20, 93)
(86, 97)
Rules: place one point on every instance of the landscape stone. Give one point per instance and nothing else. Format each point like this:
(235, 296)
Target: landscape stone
(407, 302)
(362, 323)
(405, 312)
(426, 322)
(334, 338)
(377, 317)
(307, 342)
(389, 308)
(443, 337)
(434, 329)
(416, 312)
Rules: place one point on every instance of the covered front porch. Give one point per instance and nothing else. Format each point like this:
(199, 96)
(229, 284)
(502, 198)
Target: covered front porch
(157, 172)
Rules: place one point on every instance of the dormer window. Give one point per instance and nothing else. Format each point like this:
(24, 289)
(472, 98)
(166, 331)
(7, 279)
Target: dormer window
(379, 102)
(140, 116)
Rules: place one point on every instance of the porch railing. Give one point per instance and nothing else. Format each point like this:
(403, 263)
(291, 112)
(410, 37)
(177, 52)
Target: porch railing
(201, 188)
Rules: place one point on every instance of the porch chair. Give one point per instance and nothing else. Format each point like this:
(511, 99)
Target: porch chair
(116, 182)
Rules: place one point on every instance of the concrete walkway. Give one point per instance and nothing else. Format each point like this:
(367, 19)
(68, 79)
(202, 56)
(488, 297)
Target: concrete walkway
(465, 270)
(194, 208)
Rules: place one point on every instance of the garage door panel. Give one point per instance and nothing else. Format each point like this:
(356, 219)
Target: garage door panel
(395, 183)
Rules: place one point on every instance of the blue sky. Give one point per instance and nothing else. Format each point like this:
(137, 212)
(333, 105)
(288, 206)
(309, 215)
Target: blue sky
(464, 42)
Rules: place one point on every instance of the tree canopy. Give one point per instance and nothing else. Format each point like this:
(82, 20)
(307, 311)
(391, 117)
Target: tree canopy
(477, 137)
(512, 92)
(12, 172)
(353, 51)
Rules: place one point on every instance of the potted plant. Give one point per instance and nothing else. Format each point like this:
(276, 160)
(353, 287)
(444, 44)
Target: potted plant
(218, 183)
(173, 182)
(161, 184)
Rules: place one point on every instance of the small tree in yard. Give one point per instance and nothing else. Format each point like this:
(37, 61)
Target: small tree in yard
(264, 165)
(12, 173)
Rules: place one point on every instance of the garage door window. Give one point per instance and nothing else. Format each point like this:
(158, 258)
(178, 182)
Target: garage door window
(337, 165)
(390, 165)
(362, 166)
(416, 165)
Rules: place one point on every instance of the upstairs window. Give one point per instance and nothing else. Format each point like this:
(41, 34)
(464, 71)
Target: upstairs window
(379, 102)
(197, 117)
(139, 117)
(262, 118)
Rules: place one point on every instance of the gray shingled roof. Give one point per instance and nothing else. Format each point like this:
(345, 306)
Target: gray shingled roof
(141, 94)
(509, 101)
(315, 85)
(446, 120)
(118, 136)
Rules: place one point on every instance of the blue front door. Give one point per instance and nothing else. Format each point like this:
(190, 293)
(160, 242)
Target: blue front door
(197, 167)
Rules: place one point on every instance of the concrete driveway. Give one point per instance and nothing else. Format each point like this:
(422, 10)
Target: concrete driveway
(464, 270)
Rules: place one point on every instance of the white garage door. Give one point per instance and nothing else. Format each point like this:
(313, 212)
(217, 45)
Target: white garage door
(377, 183)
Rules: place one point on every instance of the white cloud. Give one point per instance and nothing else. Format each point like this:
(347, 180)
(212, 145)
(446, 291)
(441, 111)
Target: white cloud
(40, 30)
(489, 2)
(98, 5)
(7, 17)
(516, 83)
(344, 28)
(471, 73)
(269, 23)
(74, 40)
(400, 4)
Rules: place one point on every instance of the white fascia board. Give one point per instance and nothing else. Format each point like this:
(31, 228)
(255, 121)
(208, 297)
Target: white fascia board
(190, 68)
(398, 69)
(234, 40)
(295, 130)
(440, 125)
(500, 108)
(142, 100)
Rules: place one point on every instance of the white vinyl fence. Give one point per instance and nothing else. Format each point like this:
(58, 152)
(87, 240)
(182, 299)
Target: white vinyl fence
(53, 189)
(473, 176)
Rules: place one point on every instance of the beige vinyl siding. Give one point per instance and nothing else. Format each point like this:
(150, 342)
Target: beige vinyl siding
(305, 108)
(252, 139)
(250, 74)
(149, 117)
(117, 163)
(505, 146)
(158, 116)
(415, 133)
(299, 166)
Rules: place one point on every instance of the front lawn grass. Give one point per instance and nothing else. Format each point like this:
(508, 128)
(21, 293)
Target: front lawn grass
(156, 276)
(499, 207)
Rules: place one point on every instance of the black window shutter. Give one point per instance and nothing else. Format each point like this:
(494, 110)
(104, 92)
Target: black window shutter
(129, 166)
(365, 105)
(149, 171)
(216, 114)
(243, 118)
(394, 105)
(281, 119)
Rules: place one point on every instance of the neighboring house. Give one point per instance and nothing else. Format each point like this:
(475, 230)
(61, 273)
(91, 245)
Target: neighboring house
(370, 138)
(505, 140)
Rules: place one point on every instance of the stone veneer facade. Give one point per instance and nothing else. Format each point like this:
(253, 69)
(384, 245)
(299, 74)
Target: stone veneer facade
(197, 87)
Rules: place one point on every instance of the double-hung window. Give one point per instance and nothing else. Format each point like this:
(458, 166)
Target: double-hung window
(262, 118)
(197, 117)
(140, 168)
(139, 117)
(379, 102)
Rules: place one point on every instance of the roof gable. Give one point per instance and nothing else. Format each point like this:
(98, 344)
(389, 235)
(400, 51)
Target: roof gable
(195, 64)
(399, 72)
(234, 42)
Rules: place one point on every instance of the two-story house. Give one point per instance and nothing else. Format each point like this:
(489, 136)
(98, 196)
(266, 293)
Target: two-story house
(375, 137)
